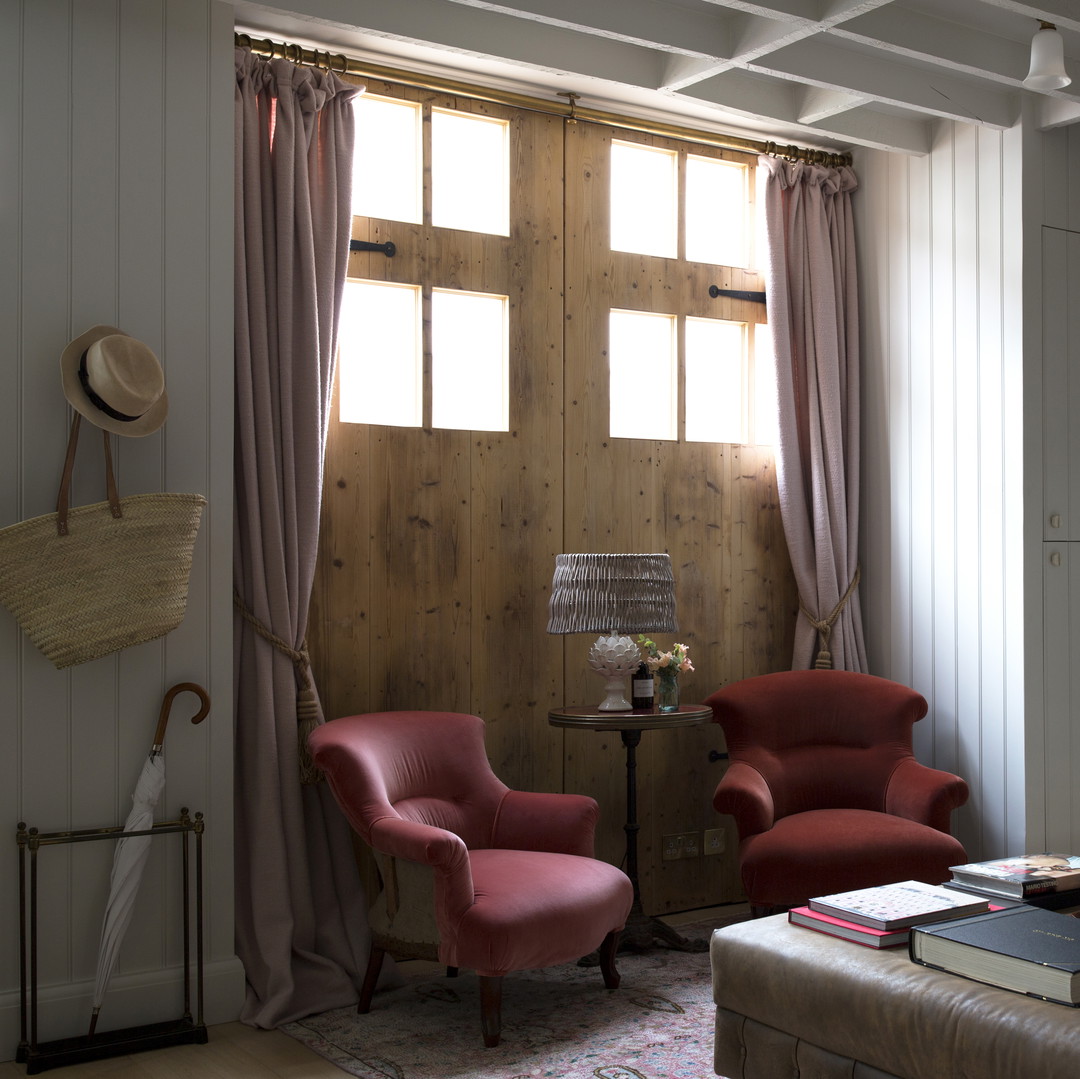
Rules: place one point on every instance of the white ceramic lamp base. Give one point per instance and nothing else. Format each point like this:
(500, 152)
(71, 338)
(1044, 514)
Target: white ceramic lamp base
(616, 658)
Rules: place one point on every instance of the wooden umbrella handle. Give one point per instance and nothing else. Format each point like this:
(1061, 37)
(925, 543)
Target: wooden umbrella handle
(166, 706)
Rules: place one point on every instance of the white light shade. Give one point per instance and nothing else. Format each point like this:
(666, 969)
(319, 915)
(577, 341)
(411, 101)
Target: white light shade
(1047, 70)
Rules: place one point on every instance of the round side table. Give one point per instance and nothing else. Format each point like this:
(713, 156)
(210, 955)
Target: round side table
(641, 930)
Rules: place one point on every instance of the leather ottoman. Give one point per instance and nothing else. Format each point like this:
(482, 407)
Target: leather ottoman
(794, 1003)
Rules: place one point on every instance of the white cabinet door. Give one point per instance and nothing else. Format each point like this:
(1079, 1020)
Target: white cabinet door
(1061, 385)
(1061, 677)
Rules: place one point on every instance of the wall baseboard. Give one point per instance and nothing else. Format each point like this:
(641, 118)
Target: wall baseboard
(133, 1000)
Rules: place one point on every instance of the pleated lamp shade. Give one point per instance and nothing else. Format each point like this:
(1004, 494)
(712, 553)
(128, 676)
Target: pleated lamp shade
(612, 593)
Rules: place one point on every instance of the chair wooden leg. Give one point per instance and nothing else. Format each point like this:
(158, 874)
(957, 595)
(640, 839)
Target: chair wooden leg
(491, 1009)
(371, 976)
(608, 949)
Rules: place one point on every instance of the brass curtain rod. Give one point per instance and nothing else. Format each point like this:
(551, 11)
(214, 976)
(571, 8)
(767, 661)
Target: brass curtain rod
(344, 65)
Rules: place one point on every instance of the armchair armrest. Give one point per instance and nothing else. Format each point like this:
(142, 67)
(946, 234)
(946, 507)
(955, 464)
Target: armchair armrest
(926, 795)
(744, 794)
(444, 851)
(558, 823)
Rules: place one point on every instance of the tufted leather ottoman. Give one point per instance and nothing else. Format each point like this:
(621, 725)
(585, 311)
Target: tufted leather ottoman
(794, 1003)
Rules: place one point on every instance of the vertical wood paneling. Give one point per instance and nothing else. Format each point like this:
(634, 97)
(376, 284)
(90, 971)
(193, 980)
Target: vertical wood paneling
(949, 312)
(120, 185)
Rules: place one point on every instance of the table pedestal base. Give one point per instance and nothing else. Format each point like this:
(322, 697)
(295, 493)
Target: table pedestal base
(643, 931)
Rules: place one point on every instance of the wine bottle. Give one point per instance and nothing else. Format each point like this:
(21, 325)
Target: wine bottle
(642, 688)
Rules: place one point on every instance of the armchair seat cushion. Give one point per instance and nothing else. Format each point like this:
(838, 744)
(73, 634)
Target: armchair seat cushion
(571, 903)
(823, 851)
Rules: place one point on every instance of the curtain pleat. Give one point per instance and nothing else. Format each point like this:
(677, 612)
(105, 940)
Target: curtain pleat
(812, 293)
(301, 929)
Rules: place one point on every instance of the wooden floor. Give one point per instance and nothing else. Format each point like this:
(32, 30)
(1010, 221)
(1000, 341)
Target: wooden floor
(236, 1051)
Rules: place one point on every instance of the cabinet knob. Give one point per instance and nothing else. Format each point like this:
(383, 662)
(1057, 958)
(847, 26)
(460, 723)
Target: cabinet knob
(1055, 520)
(1055, 558)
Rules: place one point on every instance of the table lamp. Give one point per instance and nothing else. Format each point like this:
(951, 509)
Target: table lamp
(613, 595)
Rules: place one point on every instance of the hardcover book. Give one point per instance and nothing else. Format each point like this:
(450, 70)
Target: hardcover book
(1067, 901)
(837, 927)
(1022, 948)
(898, 906)
(1024, 875)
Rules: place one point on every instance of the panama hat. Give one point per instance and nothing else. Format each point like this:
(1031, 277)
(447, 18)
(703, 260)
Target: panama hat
(114, 381)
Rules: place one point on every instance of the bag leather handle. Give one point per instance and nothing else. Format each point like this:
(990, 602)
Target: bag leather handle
(63, 498)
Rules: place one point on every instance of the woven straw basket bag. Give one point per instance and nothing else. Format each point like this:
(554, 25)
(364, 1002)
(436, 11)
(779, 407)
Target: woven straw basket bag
(86, 582)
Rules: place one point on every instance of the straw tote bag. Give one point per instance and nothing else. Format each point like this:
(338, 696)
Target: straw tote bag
(88, 581)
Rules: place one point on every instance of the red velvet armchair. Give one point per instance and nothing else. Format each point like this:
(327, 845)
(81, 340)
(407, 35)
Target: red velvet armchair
(474, 874)
(826, 794)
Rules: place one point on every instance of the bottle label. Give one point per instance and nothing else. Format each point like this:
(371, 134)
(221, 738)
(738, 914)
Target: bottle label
(643, 687)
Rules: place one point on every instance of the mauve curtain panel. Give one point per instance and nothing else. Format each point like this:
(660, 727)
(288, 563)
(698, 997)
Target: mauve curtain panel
(301, 928)
(813, 316)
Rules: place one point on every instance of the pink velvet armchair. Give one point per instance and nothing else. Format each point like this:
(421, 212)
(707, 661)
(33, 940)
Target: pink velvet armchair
(474, 874)
(824, 789)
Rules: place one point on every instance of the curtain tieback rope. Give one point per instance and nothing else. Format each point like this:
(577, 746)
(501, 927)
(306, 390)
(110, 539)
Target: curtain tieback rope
(824, 626)
(307, 706)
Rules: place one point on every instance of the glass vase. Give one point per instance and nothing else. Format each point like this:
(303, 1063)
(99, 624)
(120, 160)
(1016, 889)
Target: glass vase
(667, 691)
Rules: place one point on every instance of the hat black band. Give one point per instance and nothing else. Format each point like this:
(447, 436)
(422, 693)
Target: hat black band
(84, 381)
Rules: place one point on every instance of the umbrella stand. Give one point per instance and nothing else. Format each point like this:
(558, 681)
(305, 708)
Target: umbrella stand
(132, 851)
(186, 1030)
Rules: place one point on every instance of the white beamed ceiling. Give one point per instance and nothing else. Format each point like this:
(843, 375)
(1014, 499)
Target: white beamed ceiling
(826, 73)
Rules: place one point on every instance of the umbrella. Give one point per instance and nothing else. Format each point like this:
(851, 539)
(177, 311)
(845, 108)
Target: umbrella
(129, 858)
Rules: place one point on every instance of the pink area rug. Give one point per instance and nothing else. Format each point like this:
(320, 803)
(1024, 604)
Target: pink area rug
(558, 1023)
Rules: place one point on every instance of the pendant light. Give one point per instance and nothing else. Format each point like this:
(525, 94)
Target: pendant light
(1047, 60)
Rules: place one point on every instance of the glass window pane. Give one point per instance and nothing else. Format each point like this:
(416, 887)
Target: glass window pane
(643, 376)
(380, 355)
(644, 200)
(716, 211)
(470, 361)
(388, 183)
(470, 172)
(715, 380)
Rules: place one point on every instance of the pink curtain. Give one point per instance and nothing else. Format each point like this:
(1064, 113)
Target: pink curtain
(301, 928)
(812, 294)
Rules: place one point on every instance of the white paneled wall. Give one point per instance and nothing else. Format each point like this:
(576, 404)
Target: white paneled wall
(943, 527)
(116, 207)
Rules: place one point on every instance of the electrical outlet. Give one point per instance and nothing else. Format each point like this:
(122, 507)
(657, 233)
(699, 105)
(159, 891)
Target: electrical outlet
(714, 841)
(671, 847)
(680, 845)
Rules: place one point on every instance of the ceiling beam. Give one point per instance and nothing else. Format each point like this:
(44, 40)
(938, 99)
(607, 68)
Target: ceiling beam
(649, 23)
(771, 102)
(832, 67)
(965, 49)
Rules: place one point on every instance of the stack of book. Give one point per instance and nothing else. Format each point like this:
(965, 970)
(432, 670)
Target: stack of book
(883, 917)
(1044, 880)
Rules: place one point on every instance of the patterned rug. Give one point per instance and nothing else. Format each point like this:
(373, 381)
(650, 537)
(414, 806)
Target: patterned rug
(557, 1023)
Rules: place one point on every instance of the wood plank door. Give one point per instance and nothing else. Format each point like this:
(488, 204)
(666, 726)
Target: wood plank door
(712, 506)
(438, 544)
